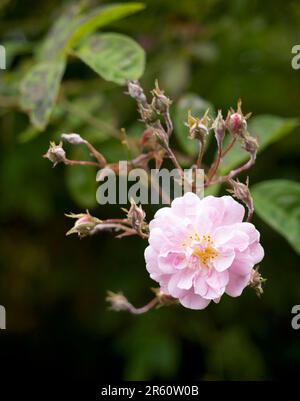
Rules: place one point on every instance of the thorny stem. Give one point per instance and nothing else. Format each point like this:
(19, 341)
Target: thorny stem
(242, 168)
(169, 123)
(143, 309)
(118, 225)
(173, 159)
(144, 158)
(221, 154)
(200, 153)
(229, 147)
(97, 155)
(81, 163)
(250, 214)
(215, 166)
(121, 221)
(120, 303)
(127, 231)
(233, 173)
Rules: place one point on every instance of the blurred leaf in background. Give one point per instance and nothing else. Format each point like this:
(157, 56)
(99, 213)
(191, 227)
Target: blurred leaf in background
(278, 203)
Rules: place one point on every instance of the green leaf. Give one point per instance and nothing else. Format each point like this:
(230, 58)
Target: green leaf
(268, 129)
(174, 73)
(28, 134)
(277, 202)
(115, 57)
(81, 180)
(212, 190)
(198, 107)
(60, 32)
(72, 26)
(39, 90)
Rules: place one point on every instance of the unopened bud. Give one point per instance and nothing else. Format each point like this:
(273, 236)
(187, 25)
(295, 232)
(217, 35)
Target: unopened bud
(84, 224)
(219, 127)
(250, 144)
(73, 139)
(241, 192)
(236, 121)
(198, 126)
(136, 92)
(55, 153)
(148, 114)
(136, 215)
(162, 137)
(118, 302)
(256, 281)
(160, 101)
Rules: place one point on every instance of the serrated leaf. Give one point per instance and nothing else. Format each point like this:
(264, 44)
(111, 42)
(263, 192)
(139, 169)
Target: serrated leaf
(115, 57)
(39, 90)
(198, 107)
(277, 202)
(72, 26)
(268, 129)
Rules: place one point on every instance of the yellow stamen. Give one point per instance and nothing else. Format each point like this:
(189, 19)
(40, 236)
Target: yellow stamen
(205, 255)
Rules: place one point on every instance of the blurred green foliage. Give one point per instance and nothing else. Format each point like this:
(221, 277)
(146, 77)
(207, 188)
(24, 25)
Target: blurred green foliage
(54, 287)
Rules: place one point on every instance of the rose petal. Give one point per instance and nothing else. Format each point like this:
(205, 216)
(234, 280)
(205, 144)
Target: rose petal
(186, 279)
(237, 284)
(224, 260)
(194, 301)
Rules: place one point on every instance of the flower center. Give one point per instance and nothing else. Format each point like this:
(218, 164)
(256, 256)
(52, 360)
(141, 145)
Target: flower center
(203, 249)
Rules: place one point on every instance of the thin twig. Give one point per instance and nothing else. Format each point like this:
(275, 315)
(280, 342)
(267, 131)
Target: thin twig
(97, 155)
(169, 123)
(81, 163)
(200, 153)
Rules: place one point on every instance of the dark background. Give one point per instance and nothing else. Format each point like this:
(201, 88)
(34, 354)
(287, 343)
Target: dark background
(54, 287)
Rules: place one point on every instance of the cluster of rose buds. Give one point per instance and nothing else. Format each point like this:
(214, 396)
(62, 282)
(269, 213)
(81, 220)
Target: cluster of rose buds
(214, 250)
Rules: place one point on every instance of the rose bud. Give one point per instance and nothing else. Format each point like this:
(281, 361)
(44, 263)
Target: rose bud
(55, 154)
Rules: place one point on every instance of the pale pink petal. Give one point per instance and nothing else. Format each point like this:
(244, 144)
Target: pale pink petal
(233, 211)
(187, 205)
(163, 212)
(151, 261)
(194, 301)
(173, 288)
(218, 279)
(242, 264)
(200, 285)
(224, 260)
(257, 253)
(213, 293)
(202, 224)
(231, 237)
(237, 284)
(158, 240)
(165, 265)
(250, 230)
(186, 279)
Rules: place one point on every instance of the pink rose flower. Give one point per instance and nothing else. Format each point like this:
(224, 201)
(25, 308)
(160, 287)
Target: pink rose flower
(200, 249)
